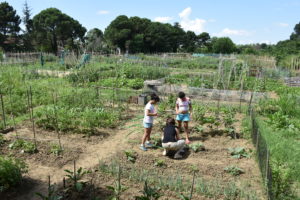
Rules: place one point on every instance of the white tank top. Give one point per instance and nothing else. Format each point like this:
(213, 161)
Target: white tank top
(183, 105)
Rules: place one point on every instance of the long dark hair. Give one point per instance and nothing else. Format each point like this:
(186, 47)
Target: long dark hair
(170, 122)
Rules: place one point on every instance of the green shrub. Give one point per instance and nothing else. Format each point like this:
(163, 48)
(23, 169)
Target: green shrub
(11, 171)
(23, 145)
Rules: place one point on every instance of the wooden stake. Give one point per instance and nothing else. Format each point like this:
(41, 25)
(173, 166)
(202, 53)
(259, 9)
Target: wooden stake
(3, 111)
(192, 189)
(32, 118)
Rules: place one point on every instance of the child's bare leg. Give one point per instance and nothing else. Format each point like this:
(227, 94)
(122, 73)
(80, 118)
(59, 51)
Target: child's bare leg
(179, 125)
(146, 135)
(186, 130)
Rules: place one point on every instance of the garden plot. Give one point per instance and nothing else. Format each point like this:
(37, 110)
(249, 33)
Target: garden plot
(175, 176)
(212, 181)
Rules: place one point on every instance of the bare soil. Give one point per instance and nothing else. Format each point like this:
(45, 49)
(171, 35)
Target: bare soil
(110, 144)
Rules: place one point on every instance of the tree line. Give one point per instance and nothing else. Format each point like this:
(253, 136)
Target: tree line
(52, 30)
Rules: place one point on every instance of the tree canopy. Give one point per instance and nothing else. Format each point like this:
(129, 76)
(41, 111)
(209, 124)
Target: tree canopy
(94, 40)
(296, 34)
(9, 26)
(52, 28)
(223, 45)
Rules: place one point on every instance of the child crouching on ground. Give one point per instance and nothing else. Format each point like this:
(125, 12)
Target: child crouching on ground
(171, 139)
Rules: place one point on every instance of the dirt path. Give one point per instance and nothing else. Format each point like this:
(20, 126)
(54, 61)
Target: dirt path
(88, 159)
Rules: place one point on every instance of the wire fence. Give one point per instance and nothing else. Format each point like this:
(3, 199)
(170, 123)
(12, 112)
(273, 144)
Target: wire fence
(263, 155)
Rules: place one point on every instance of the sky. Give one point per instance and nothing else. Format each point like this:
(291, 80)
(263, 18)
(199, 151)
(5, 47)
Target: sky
(244, 21)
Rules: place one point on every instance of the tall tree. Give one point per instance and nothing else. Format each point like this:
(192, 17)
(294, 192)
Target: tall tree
(119, 33)
(190, 42)
(27, 33)
(9, 26)
(203, 39)
(296, 34)
(223, 45)
(177, 36)
(51, 28)
(94, 40)
(27, 18)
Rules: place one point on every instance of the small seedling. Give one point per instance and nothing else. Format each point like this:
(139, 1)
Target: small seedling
(130, 155)
(239, 152)
(233, 170)
(149, 193)
(160, 163)
(194, 168)
(199, 129)
(196, 147)
(56, 149)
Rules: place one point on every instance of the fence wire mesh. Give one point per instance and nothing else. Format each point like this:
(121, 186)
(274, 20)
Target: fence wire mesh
(263, 156)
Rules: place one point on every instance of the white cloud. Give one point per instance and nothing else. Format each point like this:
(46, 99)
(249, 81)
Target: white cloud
(281, 24)
(196, 25)
(102, 12)
(185, 13)
(233, 32)
(163, 19)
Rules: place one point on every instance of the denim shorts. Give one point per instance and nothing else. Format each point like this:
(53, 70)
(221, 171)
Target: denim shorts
(147, 125)
(183, 117)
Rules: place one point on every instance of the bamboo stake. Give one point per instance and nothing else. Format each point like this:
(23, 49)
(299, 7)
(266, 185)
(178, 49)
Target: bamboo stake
(56, 121)
(13, 117)
(192, 189)
(3, 111)
(30, 107)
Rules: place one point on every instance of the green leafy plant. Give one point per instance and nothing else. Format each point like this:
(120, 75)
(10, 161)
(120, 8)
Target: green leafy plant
(11, 171)
(199, 129)
(235, 171)
(196, 147)
(149, 193)
(23, 145)
(239, 152)
(130, 155)
(76, 177)
(159, 163)
(56, 149)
